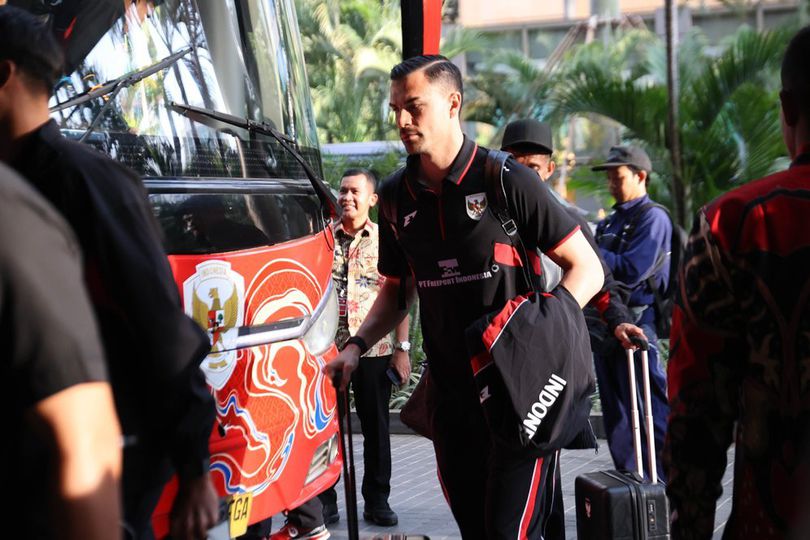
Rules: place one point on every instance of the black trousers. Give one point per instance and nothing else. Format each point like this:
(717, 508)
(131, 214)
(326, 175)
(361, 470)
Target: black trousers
(372, 393)
(494, 493)
(146, 471)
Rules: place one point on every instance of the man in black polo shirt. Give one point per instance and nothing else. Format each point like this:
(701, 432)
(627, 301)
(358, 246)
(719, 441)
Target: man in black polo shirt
(445, 245)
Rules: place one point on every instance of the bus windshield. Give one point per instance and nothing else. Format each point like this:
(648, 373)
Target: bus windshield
(131, 60)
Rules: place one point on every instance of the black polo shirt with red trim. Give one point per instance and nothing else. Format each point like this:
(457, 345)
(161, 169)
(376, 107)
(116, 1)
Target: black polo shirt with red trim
(457, 252)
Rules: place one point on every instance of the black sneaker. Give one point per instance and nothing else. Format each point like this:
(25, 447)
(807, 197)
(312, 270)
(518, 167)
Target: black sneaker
(382, 516)
(330, 513)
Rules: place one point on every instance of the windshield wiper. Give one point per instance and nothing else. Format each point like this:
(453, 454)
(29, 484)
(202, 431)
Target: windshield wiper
(211, 118)
(114, 86)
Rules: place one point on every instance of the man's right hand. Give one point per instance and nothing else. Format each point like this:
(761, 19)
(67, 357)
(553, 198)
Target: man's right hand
(344, 363)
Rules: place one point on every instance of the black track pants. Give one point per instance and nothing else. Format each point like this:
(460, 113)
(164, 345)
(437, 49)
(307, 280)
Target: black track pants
(495, 495)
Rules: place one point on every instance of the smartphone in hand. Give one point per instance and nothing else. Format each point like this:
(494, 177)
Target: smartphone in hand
(393, 376)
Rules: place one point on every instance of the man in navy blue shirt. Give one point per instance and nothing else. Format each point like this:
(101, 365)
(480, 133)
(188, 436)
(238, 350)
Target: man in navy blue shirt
(635, 243)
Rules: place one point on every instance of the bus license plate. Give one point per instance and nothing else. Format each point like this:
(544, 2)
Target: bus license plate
(239, 513)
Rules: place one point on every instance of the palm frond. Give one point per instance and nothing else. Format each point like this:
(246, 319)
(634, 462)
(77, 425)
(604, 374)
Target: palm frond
(389, 36)
(752, 57)
(642, 110)
(755, 115)
(460, 40)
(373, 62)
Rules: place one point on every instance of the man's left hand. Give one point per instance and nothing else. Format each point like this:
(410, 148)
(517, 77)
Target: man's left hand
(401, 361)
(195, 509)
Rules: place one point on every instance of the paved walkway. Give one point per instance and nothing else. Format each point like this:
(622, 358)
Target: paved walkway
(417, 497)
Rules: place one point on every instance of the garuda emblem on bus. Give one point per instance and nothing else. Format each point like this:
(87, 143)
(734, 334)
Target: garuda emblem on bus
(214, 297)
(476, 205)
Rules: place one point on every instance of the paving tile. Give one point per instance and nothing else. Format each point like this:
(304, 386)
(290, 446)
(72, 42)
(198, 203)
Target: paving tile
(417, 497)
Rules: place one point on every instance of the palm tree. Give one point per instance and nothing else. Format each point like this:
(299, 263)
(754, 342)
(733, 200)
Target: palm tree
(729, 122)
(350, 47)
(509, 86)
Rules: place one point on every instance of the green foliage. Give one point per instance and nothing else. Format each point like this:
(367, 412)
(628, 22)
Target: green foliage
(380, 164)
(350, 47)
(509, 86)
(729, 124)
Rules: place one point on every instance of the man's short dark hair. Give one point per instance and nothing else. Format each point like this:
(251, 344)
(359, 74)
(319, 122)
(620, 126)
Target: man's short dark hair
(795, 75)
(370, 176)
(29, 43)
(436, 67)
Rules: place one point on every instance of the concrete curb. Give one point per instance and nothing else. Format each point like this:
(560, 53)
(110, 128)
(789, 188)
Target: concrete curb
(398, 428)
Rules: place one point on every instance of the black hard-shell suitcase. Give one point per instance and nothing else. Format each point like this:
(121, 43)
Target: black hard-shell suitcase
(619, 505)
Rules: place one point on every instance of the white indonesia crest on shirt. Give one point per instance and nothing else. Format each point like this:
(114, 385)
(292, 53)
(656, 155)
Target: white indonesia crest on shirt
(475, 205)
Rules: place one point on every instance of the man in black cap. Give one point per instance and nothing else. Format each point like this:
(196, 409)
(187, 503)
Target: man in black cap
(530, 143)
(634, 241)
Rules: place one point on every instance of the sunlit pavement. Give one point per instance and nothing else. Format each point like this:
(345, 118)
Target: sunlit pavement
(417, 498)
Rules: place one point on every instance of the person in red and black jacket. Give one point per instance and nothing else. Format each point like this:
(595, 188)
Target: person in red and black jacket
(740, 364)
(530, 143)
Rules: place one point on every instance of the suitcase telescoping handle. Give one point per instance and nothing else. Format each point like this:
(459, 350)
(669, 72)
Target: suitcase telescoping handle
(644, 345)
(347, 450)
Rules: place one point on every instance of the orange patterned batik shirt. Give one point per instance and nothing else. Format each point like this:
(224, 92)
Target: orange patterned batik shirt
(357, 282)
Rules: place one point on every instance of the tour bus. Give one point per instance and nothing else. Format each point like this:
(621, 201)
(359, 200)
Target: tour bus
(208, 101)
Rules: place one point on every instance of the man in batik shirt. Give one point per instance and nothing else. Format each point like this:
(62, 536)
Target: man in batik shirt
(357, 282)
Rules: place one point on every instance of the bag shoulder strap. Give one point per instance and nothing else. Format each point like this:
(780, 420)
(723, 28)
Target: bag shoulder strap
(499, 205)
(493, 182)
(663, 257)
(389, 198)
(389, 207)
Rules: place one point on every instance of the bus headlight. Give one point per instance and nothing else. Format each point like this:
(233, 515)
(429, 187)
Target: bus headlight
(322, 330)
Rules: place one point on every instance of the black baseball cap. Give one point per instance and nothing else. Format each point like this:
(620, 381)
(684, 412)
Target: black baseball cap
(626, 155)
(528, 134)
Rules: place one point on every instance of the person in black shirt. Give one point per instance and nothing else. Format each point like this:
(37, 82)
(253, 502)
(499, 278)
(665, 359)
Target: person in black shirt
(457, 257)
(153, 349)
(62, 431)
(530, 143)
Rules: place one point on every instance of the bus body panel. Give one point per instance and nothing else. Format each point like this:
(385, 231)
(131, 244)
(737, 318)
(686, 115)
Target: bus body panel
(274, 405)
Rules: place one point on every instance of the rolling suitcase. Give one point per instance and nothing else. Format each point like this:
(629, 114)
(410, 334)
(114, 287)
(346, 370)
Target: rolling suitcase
(620, 505)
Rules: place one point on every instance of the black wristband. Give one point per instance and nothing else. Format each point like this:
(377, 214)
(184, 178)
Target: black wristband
(360, 342)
